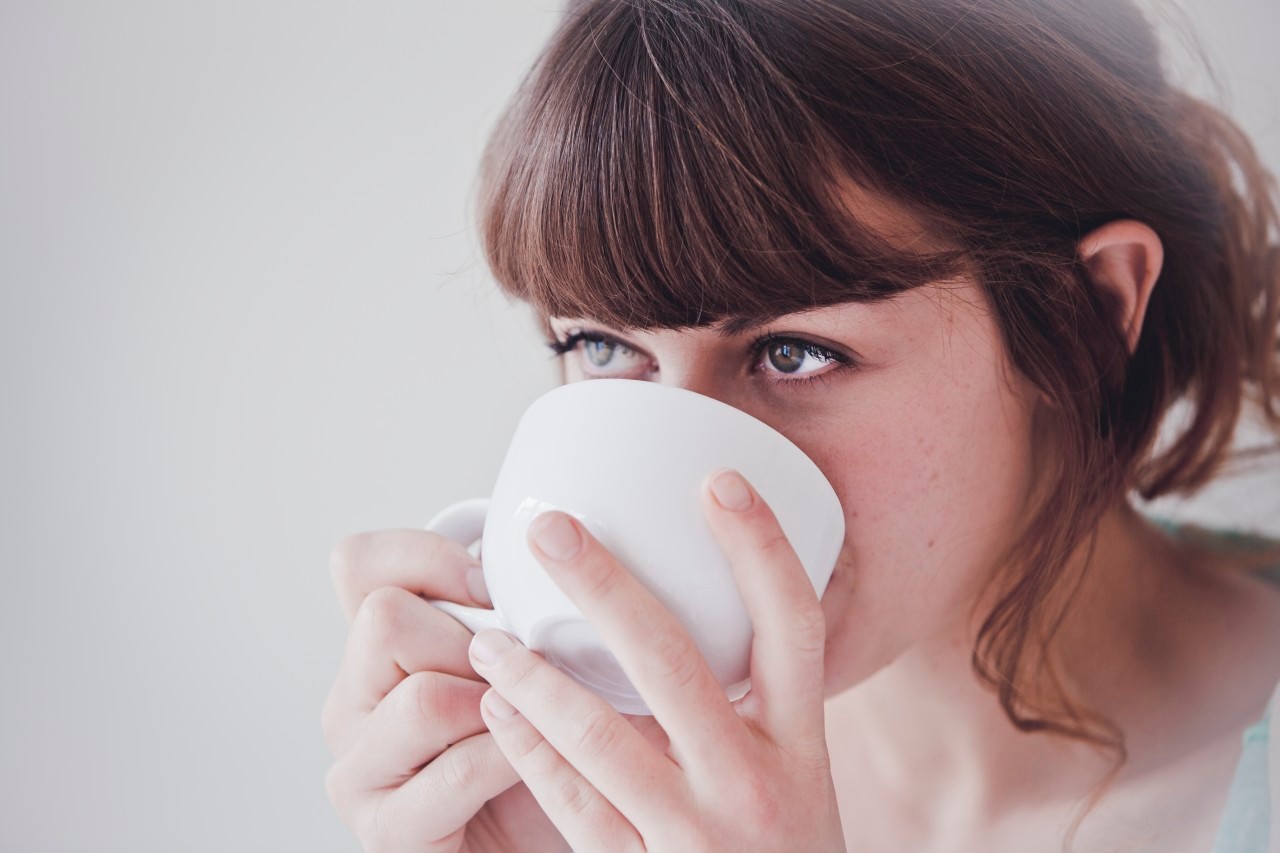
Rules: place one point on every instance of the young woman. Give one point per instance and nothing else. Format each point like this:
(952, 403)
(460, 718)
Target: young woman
(965, 256)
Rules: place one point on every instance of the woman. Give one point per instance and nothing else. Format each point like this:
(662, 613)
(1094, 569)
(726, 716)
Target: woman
(966, 257)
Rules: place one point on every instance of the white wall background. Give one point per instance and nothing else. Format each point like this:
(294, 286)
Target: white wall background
(243, 315)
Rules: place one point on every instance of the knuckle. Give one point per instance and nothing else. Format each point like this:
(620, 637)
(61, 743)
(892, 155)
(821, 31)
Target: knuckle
(460, 769)
(384, 613)
(575, 795)
(520, 671)
(533, 751)
(346, 557)
(676, 661)
(599, 733)
(431, 696)
(809, 629)
(419, 694)
(337, 787)
(602, 579)
(774, 544)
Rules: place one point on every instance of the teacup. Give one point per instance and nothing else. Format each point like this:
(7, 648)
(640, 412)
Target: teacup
(626, 458)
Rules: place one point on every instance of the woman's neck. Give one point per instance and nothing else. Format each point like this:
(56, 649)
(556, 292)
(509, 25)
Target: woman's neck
(1145, 636)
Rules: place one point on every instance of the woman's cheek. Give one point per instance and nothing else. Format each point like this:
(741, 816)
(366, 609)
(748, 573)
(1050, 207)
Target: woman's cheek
(927, 512)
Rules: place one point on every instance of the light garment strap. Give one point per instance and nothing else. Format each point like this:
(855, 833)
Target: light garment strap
(1273, 773)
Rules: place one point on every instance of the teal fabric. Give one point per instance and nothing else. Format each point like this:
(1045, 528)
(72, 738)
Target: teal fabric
(1246, 821)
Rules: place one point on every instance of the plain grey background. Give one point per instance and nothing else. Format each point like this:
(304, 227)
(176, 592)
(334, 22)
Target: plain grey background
(244, 315)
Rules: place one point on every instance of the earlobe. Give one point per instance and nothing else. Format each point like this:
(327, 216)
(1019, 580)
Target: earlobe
(1124, 257)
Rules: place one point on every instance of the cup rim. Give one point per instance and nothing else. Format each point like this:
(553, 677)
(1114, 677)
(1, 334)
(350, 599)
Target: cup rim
(676, 392)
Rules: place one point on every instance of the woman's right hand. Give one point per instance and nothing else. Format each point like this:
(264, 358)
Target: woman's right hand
(416, 767)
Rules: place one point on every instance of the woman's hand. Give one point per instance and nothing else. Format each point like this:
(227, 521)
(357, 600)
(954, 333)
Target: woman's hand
(752, 775)
(416, 769)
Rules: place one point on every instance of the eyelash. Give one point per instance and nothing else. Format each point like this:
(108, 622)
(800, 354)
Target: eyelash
(561, 347)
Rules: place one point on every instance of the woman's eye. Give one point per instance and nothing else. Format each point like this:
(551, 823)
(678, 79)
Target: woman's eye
(791, 362)
(601, 355)
(796, 358)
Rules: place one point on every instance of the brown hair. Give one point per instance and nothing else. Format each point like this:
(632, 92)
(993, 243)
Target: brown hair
(676, 163)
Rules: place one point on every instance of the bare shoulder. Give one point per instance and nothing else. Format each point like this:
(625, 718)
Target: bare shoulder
(1245, 561)
(1243, 569)
(1227, 625)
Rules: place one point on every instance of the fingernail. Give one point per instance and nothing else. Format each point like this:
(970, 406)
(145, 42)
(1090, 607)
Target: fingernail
(490, 645)
(476, 586)
(557, 536)
(499, 707)
(731, 490)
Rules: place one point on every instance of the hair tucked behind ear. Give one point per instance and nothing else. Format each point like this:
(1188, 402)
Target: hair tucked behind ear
(1246, 278)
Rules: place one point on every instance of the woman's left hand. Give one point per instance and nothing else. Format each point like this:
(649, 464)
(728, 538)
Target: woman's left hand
(750, 775)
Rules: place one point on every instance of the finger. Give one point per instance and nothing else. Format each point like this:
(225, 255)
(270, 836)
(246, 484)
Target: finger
(425, 714)
(417, 560)
(650, 643)
(789, 641)
(583, 728)
(395, 633)
(586, 819)
(436, 802)
(649, 729)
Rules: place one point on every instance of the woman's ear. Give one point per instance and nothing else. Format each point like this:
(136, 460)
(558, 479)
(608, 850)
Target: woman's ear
(1124, 257)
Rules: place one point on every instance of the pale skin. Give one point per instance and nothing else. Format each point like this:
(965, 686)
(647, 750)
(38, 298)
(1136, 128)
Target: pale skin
(865, 727)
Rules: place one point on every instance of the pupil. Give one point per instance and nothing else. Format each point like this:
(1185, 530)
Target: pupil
(786, 357)
(599, 352)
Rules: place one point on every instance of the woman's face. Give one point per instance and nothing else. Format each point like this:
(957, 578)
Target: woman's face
(911, 410)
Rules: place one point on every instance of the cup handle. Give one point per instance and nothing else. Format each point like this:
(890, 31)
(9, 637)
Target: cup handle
(463, 522)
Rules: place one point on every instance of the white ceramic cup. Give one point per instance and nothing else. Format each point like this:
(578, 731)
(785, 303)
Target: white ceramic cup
(626, 458)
